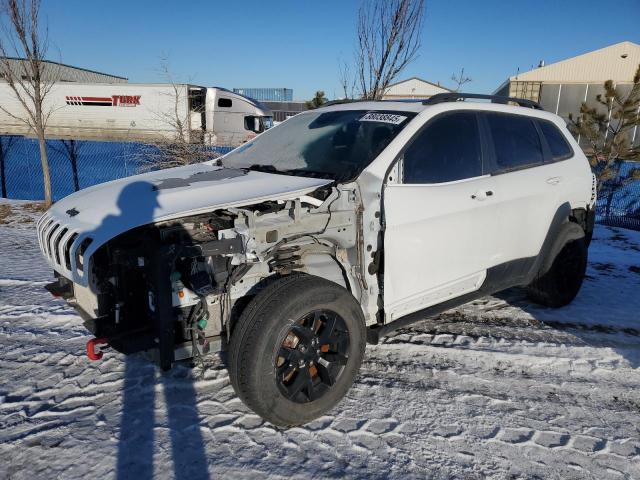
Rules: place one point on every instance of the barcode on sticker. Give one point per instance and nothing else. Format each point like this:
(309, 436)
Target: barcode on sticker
(391, 118)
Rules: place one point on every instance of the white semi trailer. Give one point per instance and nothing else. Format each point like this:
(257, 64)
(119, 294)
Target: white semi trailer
(141, 112)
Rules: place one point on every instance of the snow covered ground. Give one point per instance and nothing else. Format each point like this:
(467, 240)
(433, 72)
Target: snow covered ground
(495, 389)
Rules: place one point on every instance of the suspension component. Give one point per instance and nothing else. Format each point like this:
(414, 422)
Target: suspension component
(285, 259)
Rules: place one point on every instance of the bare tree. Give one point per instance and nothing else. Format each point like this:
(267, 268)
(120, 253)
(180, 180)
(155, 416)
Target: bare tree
(388, 40)
(185, 145)
(347, 83)
(460, 80)
(71, 149)
(177, 120)
(31, 79)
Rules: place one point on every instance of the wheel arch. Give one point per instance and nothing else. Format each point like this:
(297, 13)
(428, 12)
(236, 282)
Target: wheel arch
(314, 261)
(324, 265)
(566, 226)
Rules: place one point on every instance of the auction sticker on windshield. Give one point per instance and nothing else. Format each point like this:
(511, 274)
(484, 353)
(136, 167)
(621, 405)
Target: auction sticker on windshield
(391, 118)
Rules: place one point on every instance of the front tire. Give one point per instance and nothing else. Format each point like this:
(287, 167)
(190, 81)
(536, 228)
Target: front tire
(296, 349)
(561, 283)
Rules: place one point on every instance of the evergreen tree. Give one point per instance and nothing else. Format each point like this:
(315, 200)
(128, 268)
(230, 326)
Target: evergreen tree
(609, 132)
(317, 101)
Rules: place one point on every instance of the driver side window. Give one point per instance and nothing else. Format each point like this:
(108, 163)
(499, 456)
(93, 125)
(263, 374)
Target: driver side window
(448, 149)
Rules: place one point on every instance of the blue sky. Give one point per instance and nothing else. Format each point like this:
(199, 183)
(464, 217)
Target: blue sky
(298, 44)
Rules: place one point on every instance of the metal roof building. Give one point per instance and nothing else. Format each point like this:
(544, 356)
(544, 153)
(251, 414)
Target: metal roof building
(283, 110)
(59, 72)
(412, 88)
(563, 86)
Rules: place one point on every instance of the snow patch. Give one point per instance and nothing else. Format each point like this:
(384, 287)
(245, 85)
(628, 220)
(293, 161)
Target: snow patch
(497, 388)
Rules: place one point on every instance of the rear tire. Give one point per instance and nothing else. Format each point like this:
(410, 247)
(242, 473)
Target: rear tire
(296, 349)
(561, 283)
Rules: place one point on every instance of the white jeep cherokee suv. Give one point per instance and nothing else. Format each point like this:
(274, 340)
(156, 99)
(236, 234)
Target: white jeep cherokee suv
(328, 231)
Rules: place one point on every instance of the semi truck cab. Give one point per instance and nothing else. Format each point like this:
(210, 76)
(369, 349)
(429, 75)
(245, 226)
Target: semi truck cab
(233, 119)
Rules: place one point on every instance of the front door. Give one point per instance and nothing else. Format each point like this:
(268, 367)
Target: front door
(440, 222)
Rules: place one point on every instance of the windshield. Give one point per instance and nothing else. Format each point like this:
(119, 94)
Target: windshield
(336, 145)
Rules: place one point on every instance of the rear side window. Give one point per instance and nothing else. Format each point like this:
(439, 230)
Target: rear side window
(224, 102)
(558, 145)
(447, 149)
(516, 141)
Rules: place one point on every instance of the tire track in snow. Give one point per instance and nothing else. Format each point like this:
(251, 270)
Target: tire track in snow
(484, 392)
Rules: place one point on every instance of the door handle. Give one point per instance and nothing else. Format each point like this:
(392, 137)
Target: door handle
(481, 195)
(554, 180)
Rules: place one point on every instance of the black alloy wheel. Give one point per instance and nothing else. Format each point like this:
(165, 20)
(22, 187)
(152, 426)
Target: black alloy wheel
(312, 356)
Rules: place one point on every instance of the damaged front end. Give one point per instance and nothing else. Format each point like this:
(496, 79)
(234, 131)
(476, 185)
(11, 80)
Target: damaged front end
(174, 288)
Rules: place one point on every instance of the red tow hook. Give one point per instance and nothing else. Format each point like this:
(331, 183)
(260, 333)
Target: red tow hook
(91, 348)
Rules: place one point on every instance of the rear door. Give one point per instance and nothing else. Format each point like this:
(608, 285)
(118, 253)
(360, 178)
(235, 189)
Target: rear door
(568, 178)
(440, 222)
(527, 200)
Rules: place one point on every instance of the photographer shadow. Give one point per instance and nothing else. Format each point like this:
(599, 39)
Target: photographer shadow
(142, 414)
(141, 429)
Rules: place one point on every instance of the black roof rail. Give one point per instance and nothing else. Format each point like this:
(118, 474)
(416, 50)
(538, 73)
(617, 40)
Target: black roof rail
(343, 101)
(457, 97)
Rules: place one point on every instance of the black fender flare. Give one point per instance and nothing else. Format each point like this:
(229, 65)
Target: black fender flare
(569, 232)
(561, 231)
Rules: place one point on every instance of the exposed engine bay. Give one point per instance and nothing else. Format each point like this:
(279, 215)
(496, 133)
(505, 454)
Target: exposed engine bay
(175, 287)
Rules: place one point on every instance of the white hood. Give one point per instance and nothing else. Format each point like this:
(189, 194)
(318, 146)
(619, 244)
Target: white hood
(104, 211)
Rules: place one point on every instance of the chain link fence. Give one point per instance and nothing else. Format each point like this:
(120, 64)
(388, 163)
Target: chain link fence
(619, 200)
(73, 165)
(77, 164)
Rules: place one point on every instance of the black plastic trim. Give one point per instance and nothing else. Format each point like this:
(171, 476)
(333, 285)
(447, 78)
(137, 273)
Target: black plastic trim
(160, 269)
(223, 246)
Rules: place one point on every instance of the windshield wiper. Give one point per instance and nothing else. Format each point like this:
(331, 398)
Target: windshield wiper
(308, 173)
(256, 167)
(296, 172)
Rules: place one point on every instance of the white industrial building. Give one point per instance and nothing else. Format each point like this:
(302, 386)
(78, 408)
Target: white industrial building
(563, 86)
(59, 72)
(413, 88)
